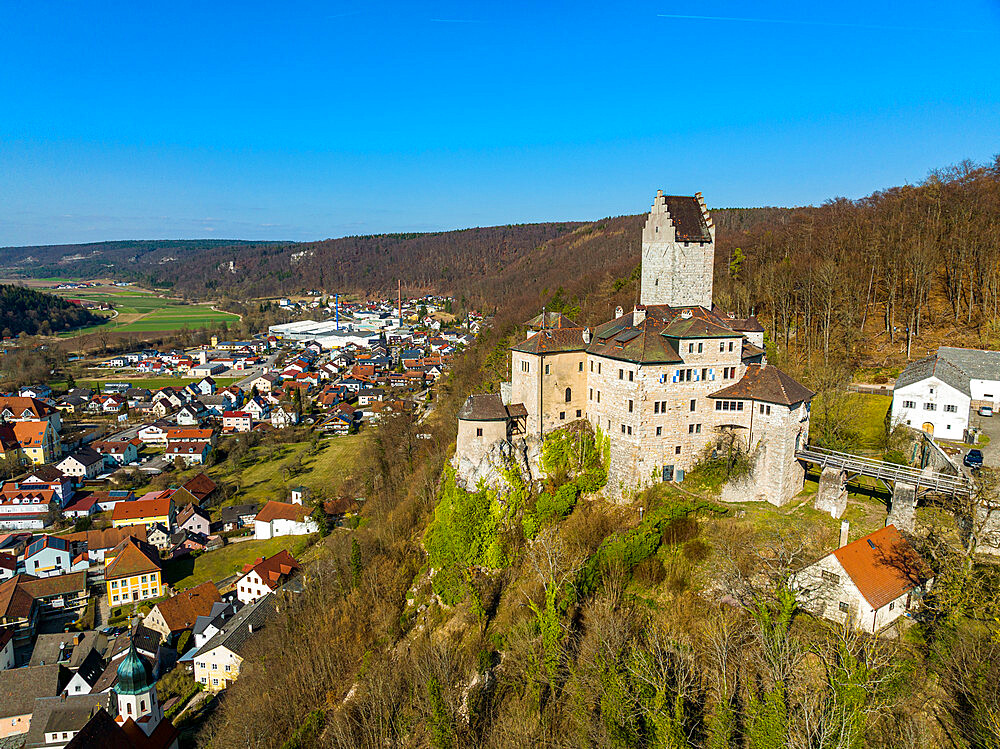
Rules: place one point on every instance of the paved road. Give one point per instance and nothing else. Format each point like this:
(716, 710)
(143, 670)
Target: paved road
(257, 372)
(990, 426)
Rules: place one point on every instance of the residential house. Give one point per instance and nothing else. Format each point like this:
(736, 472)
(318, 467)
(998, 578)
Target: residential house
(24, 509)
(179, 612)
(6, 649)
(157, 535)
(217, 662)
(193, 518)
(206, 386)
(47, 556)
(18, 409)
(144, 512)
(937, 393)
(155, 433)
(265, 576)
(190, 414)
(256, 408)
(132, 573)
(283, 417)
(97, 543)
(118, 452)
(49, 477)
(19, 611)
(8, 566)
(200, 486)
(19, 687)
(188, 434)
(83, 463)
(283, 519)
(869, 583)
(192, 453)
(237, 421)
(265, 383)
(235, 517)
(33, 442)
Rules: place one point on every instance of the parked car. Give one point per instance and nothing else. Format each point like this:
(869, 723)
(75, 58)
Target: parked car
(986, 411)
(973, 458)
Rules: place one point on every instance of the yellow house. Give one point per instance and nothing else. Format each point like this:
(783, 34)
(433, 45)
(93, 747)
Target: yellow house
(145, 512)
(37, 441)
(132, 573)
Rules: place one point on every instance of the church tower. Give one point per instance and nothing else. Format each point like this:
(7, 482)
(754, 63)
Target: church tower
(135, 691)
(678, 252)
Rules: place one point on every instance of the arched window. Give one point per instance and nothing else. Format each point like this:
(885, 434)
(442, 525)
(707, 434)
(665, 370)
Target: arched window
(128, 707)
(569, 395)
(142, 706)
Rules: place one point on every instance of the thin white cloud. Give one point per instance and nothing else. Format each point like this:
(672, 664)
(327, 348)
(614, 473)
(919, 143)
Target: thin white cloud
(796, 22)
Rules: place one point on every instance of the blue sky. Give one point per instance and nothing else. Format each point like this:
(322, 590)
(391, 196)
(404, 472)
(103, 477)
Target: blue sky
(311, 120)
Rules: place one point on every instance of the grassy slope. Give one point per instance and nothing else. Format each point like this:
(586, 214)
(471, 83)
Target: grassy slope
(141, 311)
(324, 472)
(227, 561)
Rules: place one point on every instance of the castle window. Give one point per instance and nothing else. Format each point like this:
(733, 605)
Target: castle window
(663, 407)
(621, 374)
(699, 347)
(844, 607)
(623, 429)
(581, 367)
(950, 408)
(909, 404)
(592, 366)
(546, 369)
(830, 577)
(730, 345)
(579, 413)
(694, 428)
(479, 432)
(722, 346)
(704, 373)
(630, 406)
(656, 407)
(677, 450)
(569, 395)
(562, 416)
(590, 394)
(598, 396)
(631, 375)
(930, 407)
(525, 366)
(629, 431)
(693, 405)
(659, 431)
(598, 367)
(690, 348)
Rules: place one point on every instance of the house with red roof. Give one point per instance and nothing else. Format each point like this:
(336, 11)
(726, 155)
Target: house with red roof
(870, 582)
(265, 576)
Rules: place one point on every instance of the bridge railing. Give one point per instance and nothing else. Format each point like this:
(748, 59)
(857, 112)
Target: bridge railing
(881, 470)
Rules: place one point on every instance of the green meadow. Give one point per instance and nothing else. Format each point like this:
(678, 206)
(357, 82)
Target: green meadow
(142, 311)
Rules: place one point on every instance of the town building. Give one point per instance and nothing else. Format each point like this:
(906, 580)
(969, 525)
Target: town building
(869, 583)
(132, 573)
(265, 576)
(937, 394)
(283, 519)
(217, 663)
(180, 611)
(144, 512)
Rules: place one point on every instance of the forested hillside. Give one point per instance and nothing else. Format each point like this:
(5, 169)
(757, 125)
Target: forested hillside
(542, 616)
(31, 312)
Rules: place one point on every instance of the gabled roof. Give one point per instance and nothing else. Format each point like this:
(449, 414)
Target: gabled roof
(549, 320)
(765, 382)
(181, 611)
(883, 565)
(20, 686)
(86, 456)
(935, 366)
(483, 407)
(643, 343)
(272, 569)
(57, 585)
(273, 510)
(687, 218)
(188, 512)
(141, 508)
(15, 601)
(200, 486)
(18, 405)
(552, 341)
(108, 538)
(132, 557)
(238, 630)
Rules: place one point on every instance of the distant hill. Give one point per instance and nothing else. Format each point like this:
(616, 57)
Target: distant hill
(34, 312)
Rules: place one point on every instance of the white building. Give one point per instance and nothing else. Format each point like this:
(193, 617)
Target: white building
(936, 394)
(265, 576)
(283, 519)
(870, 582)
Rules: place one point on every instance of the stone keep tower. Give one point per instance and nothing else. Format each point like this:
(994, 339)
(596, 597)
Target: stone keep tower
(678, 252)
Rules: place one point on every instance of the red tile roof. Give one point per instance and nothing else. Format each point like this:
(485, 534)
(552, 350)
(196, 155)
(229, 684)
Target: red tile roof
(883, 566)
(141, 508)
(180, 611)
(273, 569)
(282, 511)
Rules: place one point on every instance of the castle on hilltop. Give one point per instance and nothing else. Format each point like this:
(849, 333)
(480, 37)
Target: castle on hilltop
(662, 381)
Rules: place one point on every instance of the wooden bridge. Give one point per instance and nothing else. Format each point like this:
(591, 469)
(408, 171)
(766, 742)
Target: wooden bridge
(924, 481)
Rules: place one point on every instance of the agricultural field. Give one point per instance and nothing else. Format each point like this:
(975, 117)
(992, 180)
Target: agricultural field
(152, 383)
(142, 311)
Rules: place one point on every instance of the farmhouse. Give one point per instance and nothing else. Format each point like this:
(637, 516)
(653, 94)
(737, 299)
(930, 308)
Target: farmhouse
(283, 519)
(870, 582)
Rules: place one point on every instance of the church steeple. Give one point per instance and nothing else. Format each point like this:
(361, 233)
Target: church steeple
(135, 691)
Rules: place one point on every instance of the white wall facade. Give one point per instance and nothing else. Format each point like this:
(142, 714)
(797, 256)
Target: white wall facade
(932, 402)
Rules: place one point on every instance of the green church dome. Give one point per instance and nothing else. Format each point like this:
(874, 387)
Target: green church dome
(134, 674)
